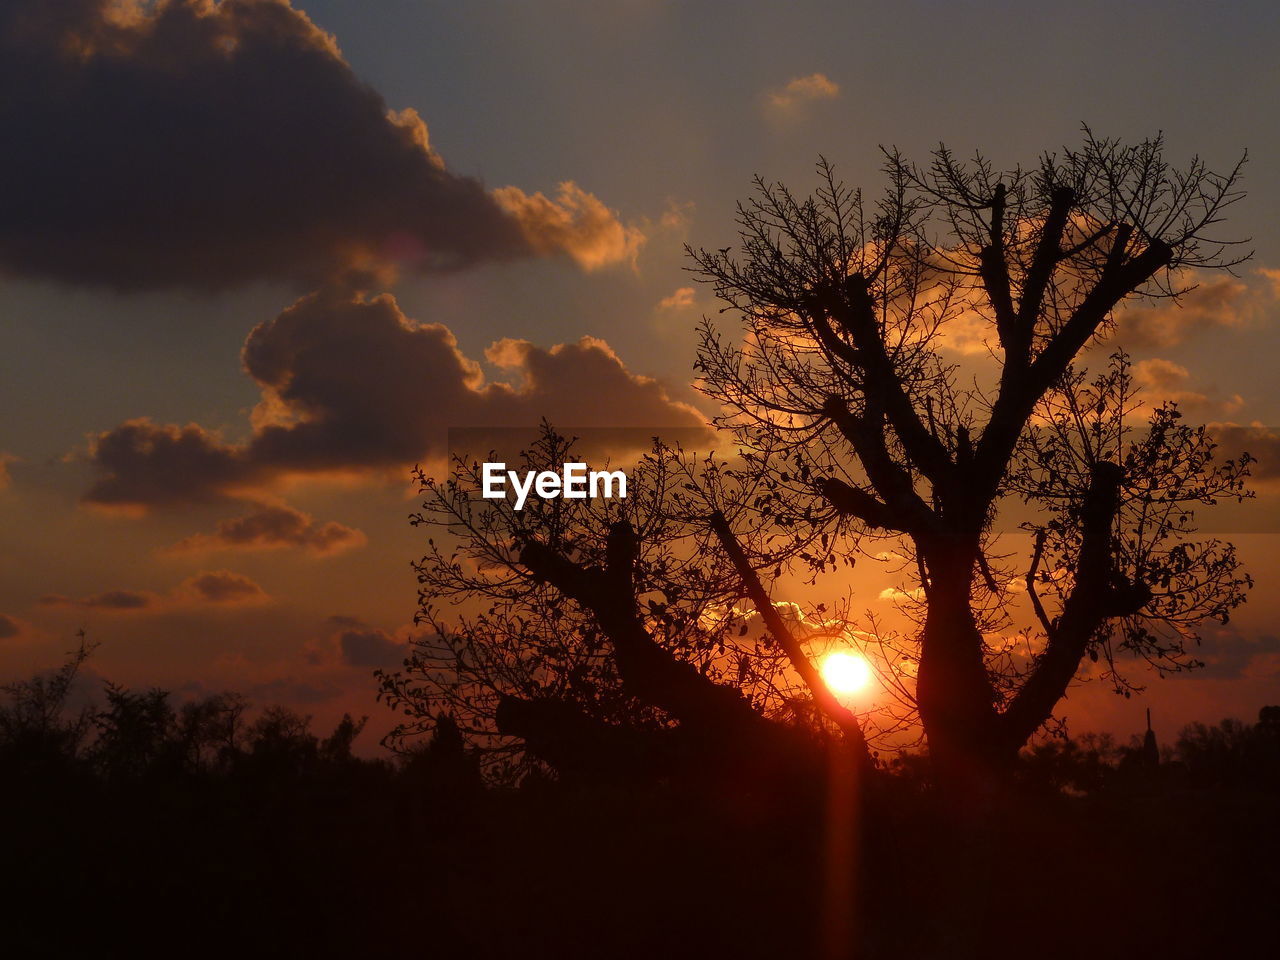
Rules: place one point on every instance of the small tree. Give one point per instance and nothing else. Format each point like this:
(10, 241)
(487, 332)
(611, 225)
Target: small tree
(39, 728)
(600, 636)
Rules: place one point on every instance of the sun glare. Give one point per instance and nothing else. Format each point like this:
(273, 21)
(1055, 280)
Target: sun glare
(846, 672)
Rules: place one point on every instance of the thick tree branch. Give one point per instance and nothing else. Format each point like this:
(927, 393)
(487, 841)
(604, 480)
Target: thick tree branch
(1097, 595)
(889, 479)
(861, 505)
(993, 268)
(830, 340)
(1020, 392)
(562, 735)
(1119, 279)
(855, 312)
(1048, 253)
(826, 700)
(648, 671)
(1036, 605)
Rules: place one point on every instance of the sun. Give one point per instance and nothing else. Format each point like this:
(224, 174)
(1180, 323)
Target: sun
(846, 672)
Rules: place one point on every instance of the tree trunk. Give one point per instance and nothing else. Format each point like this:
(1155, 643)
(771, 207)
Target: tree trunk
(955, 696)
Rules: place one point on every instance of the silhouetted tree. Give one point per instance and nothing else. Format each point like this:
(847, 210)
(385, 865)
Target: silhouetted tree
(1232, 753)
(39, 727)
(135, 733)
(843, 390)
(598, 633)
(601, 636)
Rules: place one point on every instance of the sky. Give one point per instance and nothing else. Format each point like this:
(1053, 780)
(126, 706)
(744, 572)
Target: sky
(255, 259)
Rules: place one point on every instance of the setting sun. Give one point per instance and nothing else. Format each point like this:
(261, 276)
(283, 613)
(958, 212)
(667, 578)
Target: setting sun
(846, 672)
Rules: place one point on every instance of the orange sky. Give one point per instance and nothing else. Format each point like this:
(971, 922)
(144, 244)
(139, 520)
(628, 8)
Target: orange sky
(248, 285)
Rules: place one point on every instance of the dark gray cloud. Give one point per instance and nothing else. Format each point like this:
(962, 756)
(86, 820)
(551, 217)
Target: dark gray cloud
(223, 586)
(9, 627)
(1259, 442)
(187, 143)
(370, 648)
(151, 465)
(354, 643)
(117, 600)
(351, 385)
(216, 587)
(1229, 654)
(272, 527)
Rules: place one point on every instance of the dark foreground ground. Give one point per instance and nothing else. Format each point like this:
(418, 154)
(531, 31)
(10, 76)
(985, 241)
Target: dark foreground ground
(287, 846)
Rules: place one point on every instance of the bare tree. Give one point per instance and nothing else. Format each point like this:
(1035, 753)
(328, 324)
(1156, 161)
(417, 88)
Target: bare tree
(845, 385)
(609, 636)
(644, 634)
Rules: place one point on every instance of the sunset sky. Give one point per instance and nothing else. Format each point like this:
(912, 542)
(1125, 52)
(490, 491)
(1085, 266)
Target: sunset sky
(256, 259)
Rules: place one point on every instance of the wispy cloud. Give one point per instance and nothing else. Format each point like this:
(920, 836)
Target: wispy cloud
(208, 588)
(679, 300)
(274, 527)
(801, 90)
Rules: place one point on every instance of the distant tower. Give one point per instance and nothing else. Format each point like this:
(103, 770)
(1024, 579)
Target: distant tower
(1150, 749)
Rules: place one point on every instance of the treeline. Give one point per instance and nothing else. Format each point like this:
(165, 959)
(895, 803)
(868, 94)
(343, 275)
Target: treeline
(1229, 754)
(137, 826)
(143, 735)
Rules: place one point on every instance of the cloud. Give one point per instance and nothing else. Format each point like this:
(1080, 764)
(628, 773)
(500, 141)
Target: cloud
(208, 588)
(370, 648)
(681, 299)
(1261, 443)
(1272, 277)
(897, 595)
(1219, 305)
(152, 465)
(9, 627)
(187, 143)
(1167, 381)
(1160, 374)
(351, 386)
(815, 86)
(679, 215)
(576, 222)
(274, 527)
(112, 600)
(1228, 653)
(223, 586)
(5, 460)
(354, 643)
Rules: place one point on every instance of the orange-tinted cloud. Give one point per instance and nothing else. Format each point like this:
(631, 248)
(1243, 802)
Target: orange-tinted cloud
(815, 86)
(9, 627)
(575, 222)
(681, 299)
(1164, 380)
(187, 143)
(350, 385)
(274, 527)
(1220, 304)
